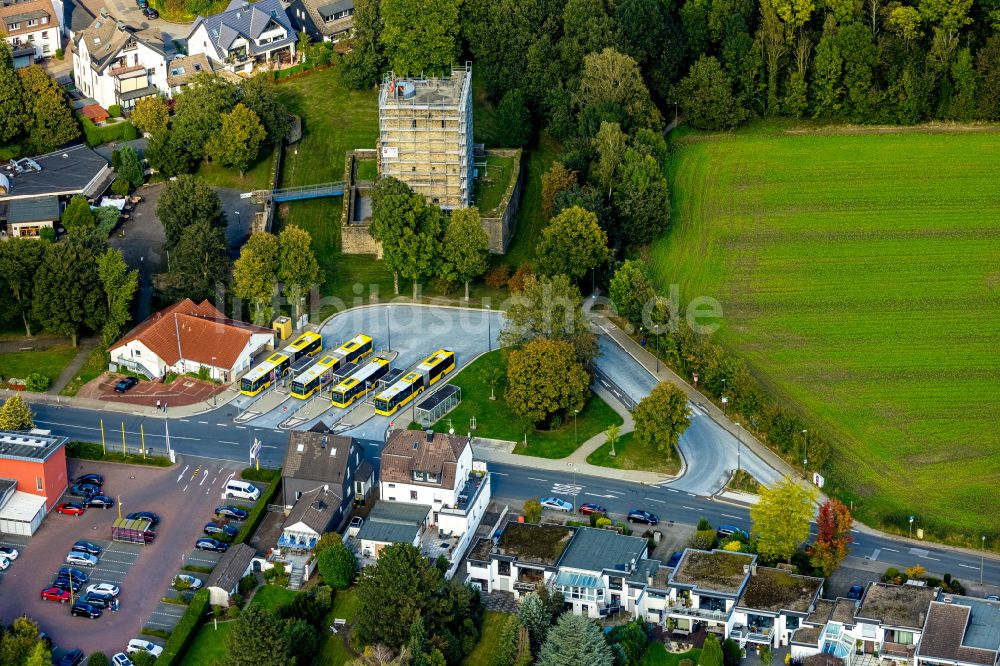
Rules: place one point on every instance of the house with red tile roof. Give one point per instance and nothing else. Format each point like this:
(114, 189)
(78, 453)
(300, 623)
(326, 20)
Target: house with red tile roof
(189, 336)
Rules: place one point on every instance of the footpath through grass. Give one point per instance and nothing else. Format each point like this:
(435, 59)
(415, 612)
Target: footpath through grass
(495, 421)
(858, 274)
(630, 455)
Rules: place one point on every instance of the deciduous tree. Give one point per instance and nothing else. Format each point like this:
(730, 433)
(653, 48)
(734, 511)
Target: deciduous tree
(298, 269)
(554, 181)
(338, 566)
(237, 142)
(19, 261)
(199, 263)
(199, 109)
(50, 123)
(409, 230)
(257, 638)
(64, 305)
(12, 107)
(661, 418)
(611, 78)
(119, 287)
(571, 244)
(466, 250)
(420, 36)
(642, 198)
(545, 378)
(781, 519)
(833, 538)
(151, 115)
(532, 510)
(630, 290)
(78, 219)
(706, 96)
(575, 639)
(15, 415)
(260, 95)
(168, 155)
(185, 201)
(513, 120)
(549, 308)
(364, 62)
(255, 274)
(610, 144)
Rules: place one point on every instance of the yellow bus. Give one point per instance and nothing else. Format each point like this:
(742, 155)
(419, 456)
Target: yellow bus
(353, 350)
(357, 385)
(436, 366)
(307, 344)
(261, 376)
(403, 391)
(310, 381)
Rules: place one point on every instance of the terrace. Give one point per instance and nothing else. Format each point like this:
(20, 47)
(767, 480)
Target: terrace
(469, 494)
(536, 544)
(774, 590)
(717, 571)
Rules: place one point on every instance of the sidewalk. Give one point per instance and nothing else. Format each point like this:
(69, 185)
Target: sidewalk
(122, 408)
(597, 441)
(86, 346)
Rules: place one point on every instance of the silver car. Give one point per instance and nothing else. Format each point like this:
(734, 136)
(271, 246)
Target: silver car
(81, 559)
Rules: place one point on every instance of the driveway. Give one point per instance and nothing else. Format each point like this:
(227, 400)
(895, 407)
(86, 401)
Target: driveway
(182, 391)
(184, 496)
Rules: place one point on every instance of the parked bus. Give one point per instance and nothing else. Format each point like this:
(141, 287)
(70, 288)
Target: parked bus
(261, 376)
(359, 384)
(307, 344)
(436, 366)
(427, 372)
(353, 350)
(310, 381)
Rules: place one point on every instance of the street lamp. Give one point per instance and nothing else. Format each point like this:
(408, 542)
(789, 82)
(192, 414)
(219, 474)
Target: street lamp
(910, 534)
(805, 452)
(489, 330)
(982, 559)
(739, 446)
(576, 440)
(215, 401)
(725, 399)
(656, 329)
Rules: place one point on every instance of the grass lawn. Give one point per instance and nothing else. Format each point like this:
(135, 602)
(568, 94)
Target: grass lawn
(345, 606)
(657, 655)
(257, 177)
(273, 597)
(93, 367)
(529, 216)
(49, 362)
(490, 187)
(858, 275)
(630, 455)
(209, 646)
(485, 650)
(367, 169)
(495, 421)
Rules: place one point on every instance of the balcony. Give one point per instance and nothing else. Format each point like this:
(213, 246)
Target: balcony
(122, 70)
(525, 586)
(752, 634)
(898, 650)
(699, 613)
(468, 495)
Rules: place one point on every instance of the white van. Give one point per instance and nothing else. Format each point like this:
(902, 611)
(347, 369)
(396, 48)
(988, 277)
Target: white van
(242, 490)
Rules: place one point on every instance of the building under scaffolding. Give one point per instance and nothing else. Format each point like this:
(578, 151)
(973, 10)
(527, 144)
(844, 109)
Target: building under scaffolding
(425, 135)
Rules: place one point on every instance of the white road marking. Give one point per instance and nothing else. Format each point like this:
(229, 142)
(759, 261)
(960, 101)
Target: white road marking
(891, 550)
(967, 566)
(181, 475)
(729, 516)
(535, 478)
(185, 487)
(127, 432)
(875, 553)
(935, 559)
(689, 508)
(672, 490)
(691, 495)
(652, 499)
(499, 474)
(223, 441)
(241, 427)
(222, 425)
(614, 492)
(204, 476)
(185, 421)
(203, 422)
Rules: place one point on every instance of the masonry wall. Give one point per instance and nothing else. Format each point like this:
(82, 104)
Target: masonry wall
(500, 228)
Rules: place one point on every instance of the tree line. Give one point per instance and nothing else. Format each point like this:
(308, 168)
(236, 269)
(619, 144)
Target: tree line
(34, 109)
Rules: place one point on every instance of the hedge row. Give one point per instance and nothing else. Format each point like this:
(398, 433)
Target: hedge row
(95, 136)
(184, 633)
(92, 451)
(257, 513)
(265, 475)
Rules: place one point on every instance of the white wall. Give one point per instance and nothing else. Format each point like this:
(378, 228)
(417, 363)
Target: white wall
(101, 86)
(45, 38)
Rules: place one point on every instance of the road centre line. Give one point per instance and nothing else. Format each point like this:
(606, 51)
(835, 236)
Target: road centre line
(535, 478)
(891, 550)
(203, 422)
(730, 516)
(499, 474)
(967, 566)
(653, 499)
(223, 441)
(689, 508)
(671, 490)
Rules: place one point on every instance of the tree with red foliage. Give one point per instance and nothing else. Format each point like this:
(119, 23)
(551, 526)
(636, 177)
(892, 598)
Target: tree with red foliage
(833, 536)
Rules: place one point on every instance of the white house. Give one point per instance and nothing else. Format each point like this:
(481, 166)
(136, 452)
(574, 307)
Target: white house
(117, 64)
(32, 28)
(244, 36)
(324, 20)
(774, 604)
(187, 337)
(224, 581)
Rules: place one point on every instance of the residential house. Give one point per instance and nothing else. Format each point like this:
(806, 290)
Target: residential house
(32, 28)
(960, 631)
(27, 217)
(774, 604)
(395, 522)
(322, 477)
(830, 628)
(890, 619)
(437, 470)
(190, 337)
(224, 581)
(244, 36)
(118, 64)
(520, 560)
(33, 476)
(704, 588)
(323, 20)
(183, 68)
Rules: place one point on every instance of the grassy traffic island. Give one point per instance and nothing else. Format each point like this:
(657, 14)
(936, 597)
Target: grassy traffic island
(494, 420)
(631, 455)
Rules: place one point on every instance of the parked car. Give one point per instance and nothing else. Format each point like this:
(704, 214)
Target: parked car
(71, 509)
(150, 13)
(211, 544)
(81, 559)
(4, 563)
(139, 645)
(152, 517)
(127, 383)
(121, 659)
(67, 584)
(77, 575)
(97, 600)
(92, 479)
(102, 501)
(87, 547)
(357, 522)
(242, 490)
(640, 516)
(83, 609)
(675, 559)
(231, 512)
(142, 3)
(556, 504)
(856, 592)
(728, 530)
(84, 490)
(103, 589)
(72, 658)
(56, 594)
(221, 528)
(8, 552)
(992, 597)
(192, 581)
(588, 508)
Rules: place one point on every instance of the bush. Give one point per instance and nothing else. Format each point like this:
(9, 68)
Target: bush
(685, 662)
(892, 572)
(516, 281)
(263, 475)
(704, 539)
(37, 382)
(59, 54)
(196, 568)
(497, 277)
(532, 510)
(120, 187)
(232, 612)
(91, 451)
(602, 522)
(326, 541)
(185, 631)
(703, 524)
(115, 111)
(98, 659)
(247, 583)
(159, 633)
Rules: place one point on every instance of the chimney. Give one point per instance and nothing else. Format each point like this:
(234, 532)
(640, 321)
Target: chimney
(322, 442)
(430, 435)
(326, 487)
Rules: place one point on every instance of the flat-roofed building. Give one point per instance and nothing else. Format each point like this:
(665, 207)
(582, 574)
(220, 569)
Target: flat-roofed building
(33, 476)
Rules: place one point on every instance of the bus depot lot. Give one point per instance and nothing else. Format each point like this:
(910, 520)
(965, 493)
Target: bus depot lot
(143, 573)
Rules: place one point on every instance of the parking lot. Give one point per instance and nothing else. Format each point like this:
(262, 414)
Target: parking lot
(184, 497)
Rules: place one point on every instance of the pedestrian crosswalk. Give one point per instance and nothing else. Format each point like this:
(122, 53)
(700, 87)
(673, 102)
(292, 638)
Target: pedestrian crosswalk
(566, 489)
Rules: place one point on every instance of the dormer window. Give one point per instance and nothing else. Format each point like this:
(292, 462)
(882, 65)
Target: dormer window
(419, 476)
(432, 477)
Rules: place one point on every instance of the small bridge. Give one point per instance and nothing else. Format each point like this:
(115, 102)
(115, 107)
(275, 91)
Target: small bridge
(299, 193)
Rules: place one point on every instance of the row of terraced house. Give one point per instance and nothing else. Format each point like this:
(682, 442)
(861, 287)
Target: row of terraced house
(601, 573)
(118, 64)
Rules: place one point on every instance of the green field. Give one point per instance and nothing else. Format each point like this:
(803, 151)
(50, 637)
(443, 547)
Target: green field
(49, 362)
(859, 276)
(629, 455)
